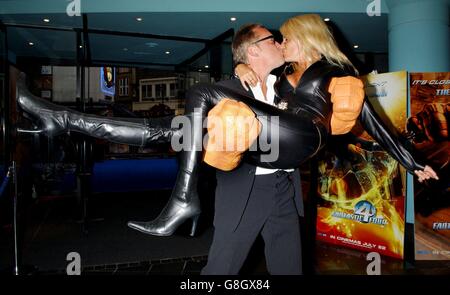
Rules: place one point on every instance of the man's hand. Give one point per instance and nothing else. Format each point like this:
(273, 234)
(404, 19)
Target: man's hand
(430, 124)
(347, 96)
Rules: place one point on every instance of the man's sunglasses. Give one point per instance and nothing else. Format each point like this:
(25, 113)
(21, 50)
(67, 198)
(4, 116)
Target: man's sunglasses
(265, 38)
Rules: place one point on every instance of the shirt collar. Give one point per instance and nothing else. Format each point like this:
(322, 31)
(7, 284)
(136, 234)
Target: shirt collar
(257, 91)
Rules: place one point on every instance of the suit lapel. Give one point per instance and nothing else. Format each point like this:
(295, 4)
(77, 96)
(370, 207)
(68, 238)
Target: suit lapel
(236, 85)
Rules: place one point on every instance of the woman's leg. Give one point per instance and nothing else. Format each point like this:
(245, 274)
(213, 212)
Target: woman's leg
(55, 119)
(184, 203)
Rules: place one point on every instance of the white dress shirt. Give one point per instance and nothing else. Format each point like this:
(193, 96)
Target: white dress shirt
(269, 98)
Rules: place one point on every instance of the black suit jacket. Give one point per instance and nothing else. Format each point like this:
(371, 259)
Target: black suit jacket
(234, 187)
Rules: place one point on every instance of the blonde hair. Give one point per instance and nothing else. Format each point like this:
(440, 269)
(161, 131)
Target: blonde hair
(312, 32)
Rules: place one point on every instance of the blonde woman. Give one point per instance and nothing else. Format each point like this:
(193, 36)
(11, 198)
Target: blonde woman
(315, 59)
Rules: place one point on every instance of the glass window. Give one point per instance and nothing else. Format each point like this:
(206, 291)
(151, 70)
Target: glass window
(147, 91)
(172, 90)
(123, 87)
(160, 90)
(124, 70)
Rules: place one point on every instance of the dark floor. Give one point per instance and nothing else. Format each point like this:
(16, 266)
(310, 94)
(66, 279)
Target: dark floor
(108, 246)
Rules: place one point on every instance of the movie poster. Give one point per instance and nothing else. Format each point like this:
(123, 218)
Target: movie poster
(362, 188)
(428, 128)
(108, 80)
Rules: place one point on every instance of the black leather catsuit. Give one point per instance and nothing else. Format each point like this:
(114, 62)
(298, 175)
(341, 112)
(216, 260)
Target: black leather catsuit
(304, 128)
(302, 132)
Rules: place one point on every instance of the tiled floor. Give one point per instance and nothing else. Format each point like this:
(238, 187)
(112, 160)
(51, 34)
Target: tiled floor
(111, 248)
(331, 262)
(328, 260)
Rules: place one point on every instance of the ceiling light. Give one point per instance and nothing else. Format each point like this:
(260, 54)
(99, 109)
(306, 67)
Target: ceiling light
(139, 19)
(355, 46)
(151, 44)
(199, 70)
(233, 19)
(30, 43)
(46, 20)
(167, 52)
(125, 49)
(326, 19)
(206, 66)
(81, 46)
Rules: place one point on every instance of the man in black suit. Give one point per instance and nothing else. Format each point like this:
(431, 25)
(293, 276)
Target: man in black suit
(251, 200)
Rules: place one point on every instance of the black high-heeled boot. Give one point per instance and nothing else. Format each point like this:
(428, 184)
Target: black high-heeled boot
(184, 202)
(55, 119)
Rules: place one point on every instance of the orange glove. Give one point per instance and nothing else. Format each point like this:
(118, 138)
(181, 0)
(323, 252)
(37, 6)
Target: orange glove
(232, 129)
(347, 96)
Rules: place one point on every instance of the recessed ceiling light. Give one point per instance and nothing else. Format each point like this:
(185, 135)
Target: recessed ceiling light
(30, 43)
(81, 46)
(355, 46)
(233, 19)
(46, 20)
(206, 66)
(326, 19)
(151, 44)
(199, 70)
(167, 52)
(139, 19)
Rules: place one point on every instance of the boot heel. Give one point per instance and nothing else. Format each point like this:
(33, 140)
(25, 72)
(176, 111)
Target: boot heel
(194, 224)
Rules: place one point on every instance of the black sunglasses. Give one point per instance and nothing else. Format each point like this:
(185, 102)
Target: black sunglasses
(265, 38)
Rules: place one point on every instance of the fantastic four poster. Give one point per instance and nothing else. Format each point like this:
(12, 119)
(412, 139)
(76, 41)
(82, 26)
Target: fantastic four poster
(361, 187)
(428, 129)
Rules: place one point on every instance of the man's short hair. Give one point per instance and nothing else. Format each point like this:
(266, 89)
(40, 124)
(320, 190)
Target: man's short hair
(242, 39)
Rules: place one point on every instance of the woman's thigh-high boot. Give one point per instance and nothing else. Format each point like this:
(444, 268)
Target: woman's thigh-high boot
(184, 203)
(53, 119)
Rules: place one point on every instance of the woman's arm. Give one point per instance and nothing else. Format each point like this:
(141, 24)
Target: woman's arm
(246, 75)
(391, 143)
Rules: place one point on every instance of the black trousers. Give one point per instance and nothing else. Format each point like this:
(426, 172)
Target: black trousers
(270, 211)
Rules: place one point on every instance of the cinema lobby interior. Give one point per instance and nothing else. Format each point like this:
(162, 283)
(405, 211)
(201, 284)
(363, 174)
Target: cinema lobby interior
(82, 200)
